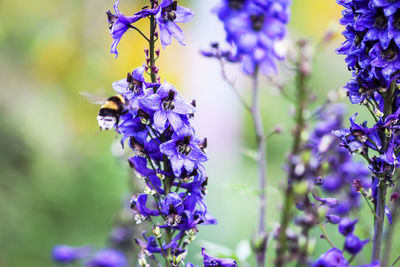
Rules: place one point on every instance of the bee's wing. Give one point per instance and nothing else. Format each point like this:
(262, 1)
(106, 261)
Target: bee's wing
(94, 99)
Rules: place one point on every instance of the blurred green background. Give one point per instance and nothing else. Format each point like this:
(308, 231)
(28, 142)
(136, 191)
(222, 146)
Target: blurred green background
(60, 183)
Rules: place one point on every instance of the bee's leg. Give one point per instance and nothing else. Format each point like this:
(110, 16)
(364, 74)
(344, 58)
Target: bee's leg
(116, 127)
(98, 131)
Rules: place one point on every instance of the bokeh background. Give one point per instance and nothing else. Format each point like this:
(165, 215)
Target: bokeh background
(61, 183)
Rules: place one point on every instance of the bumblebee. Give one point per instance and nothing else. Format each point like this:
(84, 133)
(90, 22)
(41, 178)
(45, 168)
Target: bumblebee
(110, 111)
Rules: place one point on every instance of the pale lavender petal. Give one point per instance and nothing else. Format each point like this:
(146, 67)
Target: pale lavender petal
(152, 102)
(183, 14)
(175, 120)
(184, 108)
(176, 31)
(168, 148)
(160, 118)
(177, 165)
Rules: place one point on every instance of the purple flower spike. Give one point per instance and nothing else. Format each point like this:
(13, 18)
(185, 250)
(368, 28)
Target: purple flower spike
(108, 258)
(68, 254)
(215, 262)
(168, 15)
(346, 226)
(332, 258)
(353, 244)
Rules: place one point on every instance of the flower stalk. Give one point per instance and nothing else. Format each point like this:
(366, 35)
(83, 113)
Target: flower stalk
(261, 248)
(382, 186)
(289, 196)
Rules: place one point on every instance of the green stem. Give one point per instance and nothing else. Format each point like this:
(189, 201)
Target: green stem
(325, 234)
(151, 46)
(381, 192)
(296, 147)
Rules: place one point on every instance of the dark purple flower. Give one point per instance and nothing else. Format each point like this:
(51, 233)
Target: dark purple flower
(372, 44)
(108, 258)
(140, 205)
(68, 254)
(216, 262)
(353, 244)
(152, 246)
(389, 6)
(168, 106)
(183, 152)
(346, 226)
(332, 258)
(169, 13)
(332, 218)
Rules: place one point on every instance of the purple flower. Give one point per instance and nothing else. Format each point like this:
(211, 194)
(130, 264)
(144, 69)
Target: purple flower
(118, 24)
(346, 226)
(139, 204)
(168, 106)
(132, 88)
(216, 262)
(329, 202)
(332, 258)
(353, 244)
(256, 29)
(389, 6)
(108, 258)
(332, 218)
(173, 208)
(68, 254)
(183, 152)
(169, 13)
(372, 44)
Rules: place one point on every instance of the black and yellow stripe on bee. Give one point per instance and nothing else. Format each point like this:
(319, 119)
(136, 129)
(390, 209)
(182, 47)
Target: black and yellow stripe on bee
(113, 106)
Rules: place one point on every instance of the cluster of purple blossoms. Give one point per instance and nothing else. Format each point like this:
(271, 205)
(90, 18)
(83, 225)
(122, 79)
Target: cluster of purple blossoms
(323, 179)
(255, 29)
(155, 121)
(372, 53)
(167, 14)
(353, 245)
(168, 155)
(331, 166)
(372, 45)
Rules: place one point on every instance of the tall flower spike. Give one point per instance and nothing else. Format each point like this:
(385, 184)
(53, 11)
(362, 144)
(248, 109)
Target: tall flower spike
(170, 13)
(372, 46)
